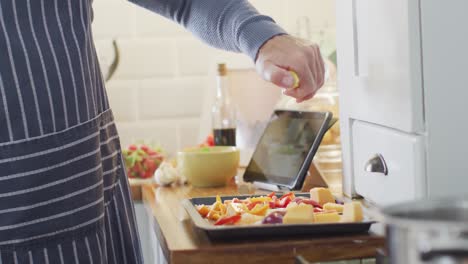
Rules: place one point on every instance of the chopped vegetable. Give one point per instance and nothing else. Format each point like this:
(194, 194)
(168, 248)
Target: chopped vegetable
(259, 209)
(287, 209)
(230, 220)
(203, 210)
(290, 194)
(284, 201)
(274, 218)
(311, 202)
(251, 205)
(260, 199)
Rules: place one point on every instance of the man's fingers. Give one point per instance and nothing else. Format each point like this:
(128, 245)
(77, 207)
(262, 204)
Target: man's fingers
(307, 97)
(317, 66)
(307, 85)
(277, 75)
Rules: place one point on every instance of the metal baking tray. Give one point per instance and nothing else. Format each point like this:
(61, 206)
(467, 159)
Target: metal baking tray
(268, 230)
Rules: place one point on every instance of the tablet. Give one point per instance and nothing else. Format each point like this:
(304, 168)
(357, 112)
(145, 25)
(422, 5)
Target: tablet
(285, 150)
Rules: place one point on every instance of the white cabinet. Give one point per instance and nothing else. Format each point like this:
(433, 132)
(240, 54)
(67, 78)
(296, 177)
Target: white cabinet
(378, 48)
(402, 76)
(402, 157)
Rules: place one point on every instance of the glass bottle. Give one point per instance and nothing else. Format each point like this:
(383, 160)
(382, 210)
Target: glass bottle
(223, 114)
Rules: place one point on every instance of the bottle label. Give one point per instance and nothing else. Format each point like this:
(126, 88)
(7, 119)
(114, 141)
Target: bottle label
(224, 136)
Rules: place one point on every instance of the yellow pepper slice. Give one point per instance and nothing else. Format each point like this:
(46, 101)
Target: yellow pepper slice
(260, 199)
(259, 209)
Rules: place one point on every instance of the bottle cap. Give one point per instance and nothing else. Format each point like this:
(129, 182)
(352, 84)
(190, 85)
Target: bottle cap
(222, 69)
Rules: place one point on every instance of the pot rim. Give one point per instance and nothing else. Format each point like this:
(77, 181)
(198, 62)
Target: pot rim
(400, 214)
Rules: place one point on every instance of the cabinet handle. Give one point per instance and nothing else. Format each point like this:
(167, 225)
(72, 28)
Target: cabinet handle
(376, 164)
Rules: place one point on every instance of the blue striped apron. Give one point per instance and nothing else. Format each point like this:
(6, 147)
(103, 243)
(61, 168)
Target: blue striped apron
(64, 195)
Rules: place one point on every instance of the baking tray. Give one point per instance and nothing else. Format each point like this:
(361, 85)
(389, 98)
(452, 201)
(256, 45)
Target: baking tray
(268, 230)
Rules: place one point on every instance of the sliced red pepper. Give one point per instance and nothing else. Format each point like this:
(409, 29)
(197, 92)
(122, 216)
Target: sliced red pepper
(229, 220)
(284, 201)
(272, 204)
(236, 200)
(253, 204)
(271, 194)
(289, 194)
(311, 202)
(317, 210)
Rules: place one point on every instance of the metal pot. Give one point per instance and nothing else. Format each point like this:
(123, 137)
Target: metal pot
(428, 231)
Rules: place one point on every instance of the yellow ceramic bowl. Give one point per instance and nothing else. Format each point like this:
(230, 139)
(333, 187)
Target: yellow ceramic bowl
(208, 167)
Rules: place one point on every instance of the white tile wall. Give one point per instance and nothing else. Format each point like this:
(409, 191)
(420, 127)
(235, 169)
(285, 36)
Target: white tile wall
(171, 98)
(123, 97)
(146, 58)
(159, 92)
(113, 19)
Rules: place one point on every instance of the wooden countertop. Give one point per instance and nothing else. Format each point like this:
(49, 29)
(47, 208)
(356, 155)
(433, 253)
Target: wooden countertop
(181, 243)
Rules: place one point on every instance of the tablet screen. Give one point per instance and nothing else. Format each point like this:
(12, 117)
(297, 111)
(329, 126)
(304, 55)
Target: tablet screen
(286, 147)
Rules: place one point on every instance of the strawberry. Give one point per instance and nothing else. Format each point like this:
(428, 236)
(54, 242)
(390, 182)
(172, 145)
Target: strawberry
(210, 140)
(132, 147)
(145, 148)
(150, 165)
(147, 175)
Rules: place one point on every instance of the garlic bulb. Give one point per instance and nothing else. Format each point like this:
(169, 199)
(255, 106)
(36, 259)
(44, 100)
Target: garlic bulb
(166, 174)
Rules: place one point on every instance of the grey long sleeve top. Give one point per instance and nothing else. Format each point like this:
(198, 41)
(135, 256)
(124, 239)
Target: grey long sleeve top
(233, 25)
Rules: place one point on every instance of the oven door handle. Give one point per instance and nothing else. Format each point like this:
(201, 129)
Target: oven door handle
(435, 253)
(456, 248)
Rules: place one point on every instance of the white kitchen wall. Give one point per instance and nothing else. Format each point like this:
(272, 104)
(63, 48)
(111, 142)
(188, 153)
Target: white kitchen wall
(159, 91)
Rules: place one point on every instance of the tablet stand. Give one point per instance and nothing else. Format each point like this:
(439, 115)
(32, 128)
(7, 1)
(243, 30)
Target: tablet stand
(313, 179)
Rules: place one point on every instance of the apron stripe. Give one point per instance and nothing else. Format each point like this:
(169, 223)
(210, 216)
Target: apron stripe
(41, 58)
(109, 231)
(5, 109)
(57, 67)
(104, 248)
(70, 67)
(61, 164)
(15, 76)
(90, 255)
(92, 58)
(16, 257)
(78, 175)
(69, 145)
(23, 208)
(60, 253)
(60, 132)
(92, 221)
(28, 66)
(67, 162)
(30, 257)
(75, 254)
(51, 150)
(131, 232)
(46, 256)
(45, 219)
(98, 242)
(119, 225)
(78, 49)
(40, 187)
(86, 53)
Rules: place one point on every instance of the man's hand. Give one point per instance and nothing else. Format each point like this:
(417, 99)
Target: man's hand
(282, 54)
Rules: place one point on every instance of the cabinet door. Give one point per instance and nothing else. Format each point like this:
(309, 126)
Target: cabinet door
(379, 62)
(402, 159)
